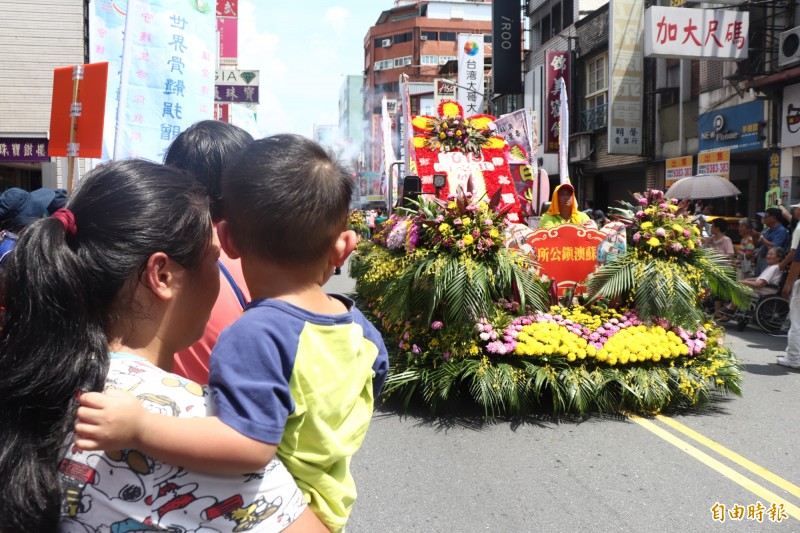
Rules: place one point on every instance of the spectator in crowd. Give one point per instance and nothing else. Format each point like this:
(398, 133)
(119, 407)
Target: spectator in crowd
(703, 225)
(202, 150)
(599, 218)
(795, 215)
(718, 239)
(774, 234)
(18, 207)
(746, 257)
(768, 282)
(791, 291)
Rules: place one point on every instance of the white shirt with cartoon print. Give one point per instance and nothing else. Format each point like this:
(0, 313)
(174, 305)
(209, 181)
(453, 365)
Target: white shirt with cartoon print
(129, 491)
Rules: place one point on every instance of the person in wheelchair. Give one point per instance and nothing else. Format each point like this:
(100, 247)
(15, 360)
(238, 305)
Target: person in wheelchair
(768, 282)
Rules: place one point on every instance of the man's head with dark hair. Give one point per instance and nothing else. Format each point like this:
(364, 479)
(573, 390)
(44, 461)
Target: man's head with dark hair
(203, 150)
(286, 200)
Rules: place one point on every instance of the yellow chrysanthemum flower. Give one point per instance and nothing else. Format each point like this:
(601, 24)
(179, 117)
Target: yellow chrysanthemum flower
(444, 226)
(652, 241)
(494, 142)
(646, 225)
(450, 109)
(468, 239)
(421, 122)
(419, 142)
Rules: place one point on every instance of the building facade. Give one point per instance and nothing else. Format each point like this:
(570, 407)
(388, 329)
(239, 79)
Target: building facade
(417, 39)
(691, 108)
(39, 36)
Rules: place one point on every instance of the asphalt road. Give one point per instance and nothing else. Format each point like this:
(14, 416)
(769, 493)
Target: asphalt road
(459, 474)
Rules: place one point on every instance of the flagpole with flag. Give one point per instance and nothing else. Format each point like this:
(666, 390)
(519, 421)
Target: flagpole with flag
(563, 134)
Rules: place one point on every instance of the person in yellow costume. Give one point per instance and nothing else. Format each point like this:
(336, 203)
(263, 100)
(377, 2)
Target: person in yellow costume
(564, 210)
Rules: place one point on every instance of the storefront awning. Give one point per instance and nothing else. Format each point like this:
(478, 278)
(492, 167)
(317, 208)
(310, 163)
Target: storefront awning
(774, 79)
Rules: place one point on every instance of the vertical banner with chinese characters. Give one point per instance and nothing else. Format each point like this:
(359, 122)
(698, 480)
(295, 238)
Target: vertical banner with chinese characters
(677, 168)
(556, 67)
(228, 28)
(470, 73)
(406, 130)
(167, 81)
(106, 29)
(626, 75)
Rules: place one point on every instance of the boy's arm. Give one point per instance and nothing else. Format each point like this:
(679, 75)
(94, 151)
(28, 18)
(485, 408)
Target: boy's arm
(116, 420)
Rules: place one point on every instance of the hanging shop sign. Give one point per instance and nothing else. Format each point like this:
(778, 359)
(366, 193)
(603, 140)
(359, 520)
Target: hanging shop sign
(738, 128)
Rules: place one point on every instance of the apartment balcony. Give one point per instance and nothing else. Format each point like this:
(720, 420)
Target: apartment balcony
(594, 119)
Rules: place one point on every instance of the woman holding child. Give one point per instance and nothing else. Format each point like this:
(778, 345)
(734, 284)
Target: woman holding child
(101, 295)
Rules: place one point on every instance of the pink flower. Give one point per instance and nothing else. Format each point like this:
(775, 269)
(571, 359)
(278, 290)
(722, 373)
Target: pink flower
(660, 232)
(415, 349)
(637, 237)
(446, 356)
(436, 324)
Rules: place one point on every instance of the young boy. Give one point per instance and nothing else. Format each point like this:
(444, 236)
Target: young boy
(298, 373)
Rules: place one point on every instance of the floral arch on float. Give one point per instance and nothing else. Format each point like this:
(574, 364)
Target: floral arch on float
(469, 316)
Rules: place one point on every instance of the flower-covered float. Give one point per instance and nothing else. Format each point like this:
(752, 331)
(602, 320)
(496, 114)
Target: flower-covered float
(468, 319)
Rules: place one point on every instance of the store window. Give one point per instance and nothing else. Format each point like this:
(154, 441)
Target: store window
(596, 102)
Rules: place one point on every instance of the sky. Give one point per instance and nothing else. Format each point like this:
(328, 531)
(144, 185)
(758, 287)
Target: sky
(303, 50)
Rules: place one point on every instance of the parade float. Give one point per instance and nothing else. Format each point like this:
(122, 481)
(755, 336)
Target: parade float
(469, 315)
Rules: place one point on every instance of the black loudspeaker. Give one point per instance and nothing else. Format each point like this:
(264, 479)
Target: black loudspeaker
(412, 187)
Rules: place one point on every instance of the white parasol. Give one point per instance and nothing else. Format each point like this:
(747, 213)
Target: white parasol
(702, 187)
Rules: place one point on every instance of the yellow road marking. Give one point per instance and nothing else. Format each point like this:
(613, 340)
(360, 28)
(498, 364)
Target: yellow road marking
(726, 471)
(776, 480)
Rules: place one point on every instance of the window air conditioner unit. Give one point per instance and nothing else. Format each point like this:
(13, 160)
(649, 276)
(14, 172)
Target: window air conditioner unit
(376, 67)
(407, 61)
(423, 37)
(579, 147)
(386, 43)
(789, 48)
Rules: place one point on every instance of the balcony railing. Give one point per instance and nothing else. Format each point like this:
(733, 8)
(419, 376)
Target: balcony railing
(594, 118)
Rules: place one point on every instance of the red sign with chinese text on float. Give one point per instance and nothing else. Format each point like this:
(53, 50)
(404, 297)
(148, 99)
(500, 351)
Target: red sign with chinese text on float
(569, 253)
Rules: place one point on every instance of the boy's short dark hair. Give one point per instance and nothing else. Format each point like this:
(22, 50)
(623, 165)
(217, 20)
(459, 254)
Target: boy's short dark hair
(286, 199)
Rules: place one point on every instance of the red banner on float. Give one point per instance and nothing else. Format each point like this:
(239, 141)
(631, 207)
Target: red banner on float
(569, 253)
(488, 171)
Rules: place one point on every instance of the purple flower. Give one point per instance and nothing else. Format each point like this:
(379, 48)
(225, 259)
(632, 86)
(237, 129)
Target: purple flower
(640, 214)
(436, 324)
(446, 356)
(472, 207)
(687, 233)
(642, 201)
(637, 237)
(415, 349)
(457, 222)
